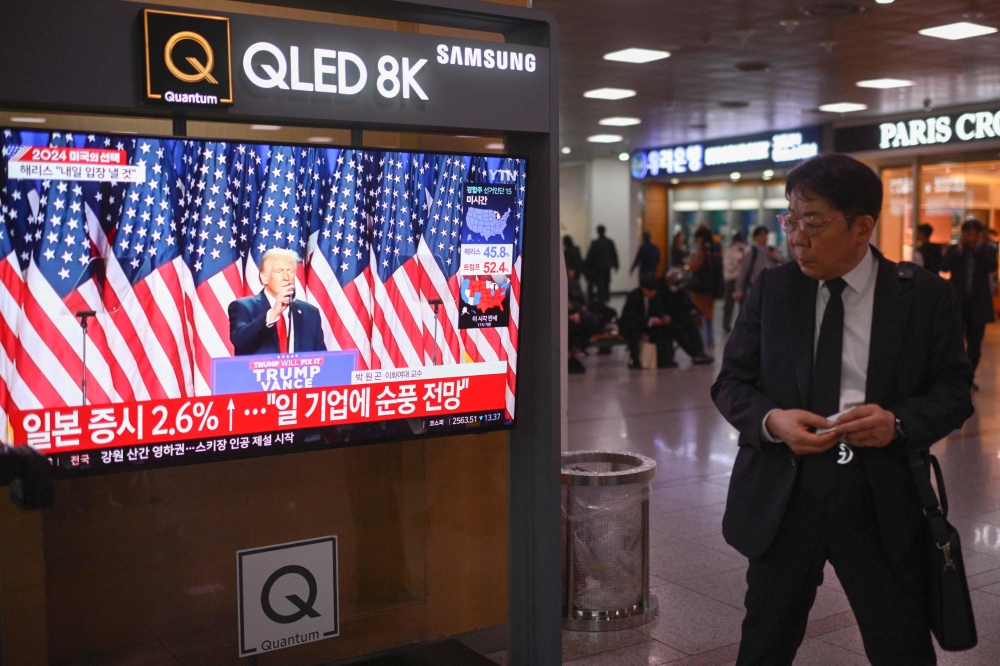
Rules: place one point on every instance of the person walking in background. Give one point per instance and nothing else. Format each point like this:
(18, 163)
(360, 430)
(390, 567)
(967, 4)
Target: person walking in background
(970, 264)
(759, 257)
(647, 259)
(927, 254)
(601, 258)
(678, 250)
(706, 283)
(732, 261)
(840, 365)
(572, 256)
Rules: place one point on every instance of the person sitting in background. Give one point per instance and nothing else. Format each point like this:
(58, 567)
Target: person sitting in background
(927, 254)
(970, 264)
(759, 257)
(706, 283)
(582, 323)
(683, 317)
(644, 315)
(678, 250)
(732, 261)
(647, 259)
(572, 256)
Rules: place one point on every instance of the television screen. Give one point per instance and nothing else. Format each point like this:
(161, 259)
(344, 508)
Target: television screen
(168, 301)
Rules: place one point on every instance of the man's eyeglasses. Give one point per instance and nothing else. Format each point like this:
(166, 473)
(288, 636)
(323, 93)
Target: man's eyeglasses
(809, 224)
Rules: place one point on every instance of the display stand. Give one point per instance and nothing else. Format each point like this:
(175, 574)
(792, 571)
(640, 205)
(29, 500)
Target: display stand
(425, 512)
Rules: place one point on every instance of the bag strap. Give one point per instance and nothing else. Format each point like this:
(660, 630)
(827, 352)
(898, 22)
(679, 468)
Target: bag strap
(935, 512)
(753, 260)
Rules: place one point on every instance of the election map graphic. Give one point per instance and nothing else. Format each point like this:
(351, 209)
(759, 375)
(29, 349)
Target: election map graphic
(485, 302)
(486, 222)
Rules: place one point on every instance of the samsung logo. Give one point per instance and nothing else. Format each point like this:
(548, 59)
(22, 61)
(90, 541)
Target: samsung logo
(468, 56)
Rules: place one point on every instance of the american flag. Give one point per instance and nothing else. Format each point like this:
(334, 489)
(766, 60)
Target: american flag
(160, 261)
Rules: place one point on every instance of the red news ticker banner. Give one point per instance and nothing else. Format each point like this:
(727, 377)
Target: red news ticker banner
(74, 429)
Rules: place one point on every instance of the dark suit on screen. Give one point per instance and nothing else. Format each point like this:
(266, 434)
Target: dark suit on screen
(917, 369)
(250, 334)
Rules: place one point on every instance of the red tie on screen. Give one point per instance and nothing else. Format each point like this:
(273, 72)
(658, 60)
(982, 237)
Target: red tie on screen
(282, 334)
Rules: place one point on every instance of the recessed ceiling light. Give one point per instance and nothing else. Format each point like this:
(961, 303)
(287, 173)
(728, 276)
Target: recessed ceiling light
(623, 157)
(609, 93)
(494, 146)
(883, 2)
(882, 84)
(267, 128)
(26, 119)
(768, 174)
(319, 139)
(675, 181)
(604, 138)
(566, 150)
(960, 30)
(734, 176)
(637, 56)
(619, 121)
(842, 107)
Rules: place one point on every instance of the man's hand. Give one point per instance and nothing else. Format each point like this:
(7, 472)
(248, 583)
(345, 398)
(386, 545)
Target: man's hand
(655, 321)
(792, 426)
(280, 302)
(738, 296)
(867, 426)
(575, 317)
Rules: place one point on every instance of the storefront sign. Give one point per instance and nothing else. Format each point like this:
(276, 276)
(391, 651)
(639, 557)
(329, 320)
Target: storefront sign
(760, 151)
(287, 595)
(240, 66)
(926, 130)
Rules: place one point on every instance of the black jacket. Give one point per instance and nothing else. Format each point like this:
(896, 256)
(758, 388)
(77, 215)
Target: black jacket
(635, 320)
(647, 259)
(933, 256)
(981, 298)
(250, 334)
(917, 369)
(601, 256)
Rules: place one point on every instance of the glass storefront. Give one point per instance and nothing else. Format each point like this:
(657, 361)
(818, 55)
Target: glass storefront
(728, 208)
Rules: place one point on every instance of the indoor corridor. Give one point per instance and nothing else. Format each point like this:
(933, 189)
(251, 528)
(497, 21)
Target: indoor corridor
(699, 580)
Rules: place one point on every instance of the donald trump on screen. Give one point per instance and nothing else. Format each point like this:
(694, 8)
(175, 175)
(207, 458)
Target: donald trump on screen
(273, 321)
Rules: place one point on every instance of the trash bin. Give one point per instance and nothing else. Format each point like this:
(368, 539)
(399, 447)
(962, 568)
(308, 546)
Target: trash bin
(605, 508)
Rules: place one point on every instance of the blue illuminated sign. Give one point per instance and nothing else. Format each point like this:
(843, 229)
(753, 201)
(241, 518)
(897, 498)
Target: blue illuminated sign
(760, 151)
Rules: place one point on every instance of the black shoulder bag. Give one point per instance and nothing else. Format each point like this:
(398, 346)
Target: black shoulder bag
(952, 620)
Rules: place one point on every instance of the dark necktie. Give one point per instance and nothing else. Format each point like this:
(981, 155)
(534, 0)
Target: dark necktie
(819, 471)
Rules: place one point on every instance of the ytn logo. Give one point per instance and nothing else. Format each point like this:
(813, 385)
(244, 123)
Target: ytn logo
(187, 58)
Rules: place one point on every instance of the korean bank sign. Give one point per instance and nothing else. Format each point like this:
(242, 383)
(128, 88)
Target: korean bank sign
(758, 151)
(926, 130)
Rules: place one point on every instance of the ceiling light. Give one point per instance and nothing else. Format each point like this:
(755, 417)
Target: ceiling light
(267, 128)
(319, 139)
(26, 119)
(494, 146)
(960, 30)
(604, 138)
(566, 150)
(734, 176)
(619, 121)
(883, 2)
(637, 56)
(623, 157)
(768, 174)
(609, 93)
(843, 107)
(882, 84)
(675, 181)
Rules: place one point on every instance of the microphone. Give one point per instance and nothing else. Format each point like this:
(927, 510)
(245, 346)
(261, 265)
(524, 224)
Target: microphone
(291, 296)
(435, 301)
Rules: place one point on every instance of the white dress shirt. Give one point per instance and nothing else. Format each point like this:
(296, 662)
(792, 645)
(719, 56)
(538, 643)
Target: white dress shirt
(286, 315)
(859, 308)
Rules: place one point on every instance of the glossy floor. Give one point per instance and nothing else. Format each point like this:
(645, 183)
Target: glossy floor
(669, 416)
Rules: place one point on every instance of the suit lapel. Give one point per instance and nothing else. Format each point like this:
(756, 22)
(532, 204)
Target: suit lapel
(892, 311)
(296, 331)
(801, 331)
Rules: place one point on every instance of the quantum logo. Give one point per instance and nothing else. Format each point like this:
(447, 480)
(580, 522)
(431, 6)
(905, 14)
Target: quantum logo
(187, 58)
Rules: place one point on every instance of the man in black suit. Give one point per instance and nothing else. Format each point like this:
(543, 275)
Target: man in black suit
(971, 263)
(644, 314)
(839, 330)
(273, 322)
(931, 254)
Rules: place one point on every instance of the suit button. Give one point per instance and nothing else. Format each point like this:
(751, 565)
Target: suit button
(793, 462)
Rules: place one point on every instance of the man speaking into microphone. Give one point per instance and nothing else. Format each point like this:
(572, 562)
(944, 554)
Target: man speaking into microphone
(273, 321)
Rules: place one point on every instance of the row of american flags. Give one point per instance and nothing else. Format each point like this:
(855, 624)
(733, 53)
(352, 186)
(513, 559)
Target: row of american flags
(160, 261)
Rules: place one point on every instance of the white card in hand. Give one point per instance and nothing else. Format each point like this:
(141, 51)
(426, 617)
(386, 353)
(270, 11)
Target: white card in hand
(832, 417)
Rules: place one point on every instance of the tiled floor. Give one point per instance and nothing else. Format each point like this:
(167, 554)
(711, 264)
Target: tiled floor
(669, 416)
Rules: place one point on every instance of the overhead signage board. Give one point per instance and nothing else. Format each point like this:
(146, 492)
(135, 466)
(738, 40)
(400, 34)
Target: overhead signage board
(924, 130)
(242, 66)
(288, 595)
(757, 151)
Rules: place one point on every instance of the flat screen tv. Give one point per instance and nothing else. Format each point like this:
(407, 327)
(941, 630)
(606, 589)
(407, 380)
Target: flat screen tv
(168, 301)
